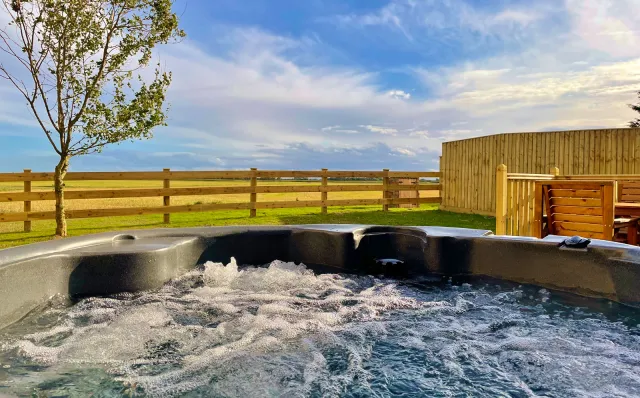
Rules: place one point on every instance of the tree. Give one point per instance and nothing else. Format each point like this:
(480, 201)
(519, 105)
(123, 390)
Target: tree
(78, 64)
(635, 123)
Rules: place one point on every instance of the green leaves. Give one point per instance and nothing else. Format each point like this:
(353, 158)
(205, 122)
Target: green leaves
(85, 57)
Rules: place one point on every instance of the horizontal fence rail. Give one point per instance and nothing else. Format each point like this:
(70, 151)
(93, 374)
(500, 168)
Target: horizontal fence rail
(393, 187)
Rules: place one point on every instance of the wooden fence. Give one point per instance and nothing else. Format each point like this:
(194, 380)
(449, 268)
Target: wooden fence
(469, 166)
(253, 189)
(515, 193)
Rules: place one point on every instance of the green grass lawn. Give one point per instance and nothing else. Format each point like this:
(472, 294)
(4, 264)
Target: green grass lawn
(427, 214)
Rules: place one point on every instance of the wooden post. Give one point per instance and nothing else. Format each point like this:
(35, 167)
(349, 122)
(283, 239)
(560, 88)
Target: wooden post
(253, 197)
(608, 211)
(167, 199)
(324, 195)
(385, 185)
(27, 203)
(538, 210)
(501, 200)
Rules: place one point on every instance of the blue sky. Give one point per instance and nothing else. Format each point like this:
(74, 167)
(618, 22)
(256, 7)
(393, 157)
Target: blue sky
(369, 84)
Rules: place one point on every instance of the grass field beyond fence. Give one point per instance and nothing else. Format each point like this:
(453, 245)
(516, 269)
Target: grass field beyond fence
(11, 233)
(428, 214)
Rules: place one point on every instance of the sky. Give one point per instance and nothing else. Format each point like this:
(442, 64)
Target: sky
(366, 84)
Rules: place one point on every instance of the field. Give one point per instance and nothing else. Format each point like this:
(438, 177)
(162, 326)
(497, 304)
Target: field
(11, 233)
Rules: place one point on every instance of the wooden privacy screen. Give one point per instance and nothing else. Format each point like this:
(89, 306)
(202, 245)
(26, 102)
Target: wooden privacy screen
(515, 193)
(469, 166)
(252, 189)
(574, 208)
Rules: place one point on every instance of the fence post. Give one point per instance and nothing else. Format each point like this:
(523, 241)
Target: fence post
(385, 186)
(27, 203)
(253, 197)
(501, 200)
(167, 199)
(324, 195)
(554, 171)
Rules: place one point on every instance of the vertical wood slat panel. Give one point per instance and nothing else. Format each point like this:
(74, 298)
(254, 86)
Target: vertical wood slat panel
(473, 173)
(455, 161)
(592, 153)
(460, 179)
(462, 175)
(578, 148)
(490, 169)
(560, 141)
(636, 163)
(483, 174)
(451, 162)
(627, 155)
(510, 215)
(443, 177)
(556, 149)
(493, 149)
(551, 151)
(530, 189)
(540, 153)
(530, 154)
(525, 207)
(533, 154)
(479, 166)
(608, 155)
(472, 162)
(449, 156)
(618, 153)
(514, 206)
(469, 160)
(599, 138)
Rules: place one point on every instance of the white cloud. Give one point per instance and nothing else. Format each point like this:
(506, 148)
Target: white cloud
(419, 133)
(515, 16)
(381, 130)
(405, 151)
(252, 97)
(412, 18)
(610, 26)
(398, 94)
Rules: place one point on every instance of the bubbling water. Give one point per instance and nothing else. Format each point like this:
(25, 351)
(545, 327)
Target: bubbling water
(283, 331)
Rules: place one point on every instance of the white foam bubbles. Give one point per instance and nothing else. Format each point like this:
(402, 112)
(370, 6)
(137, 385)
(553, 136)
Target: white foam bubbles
(198, 323)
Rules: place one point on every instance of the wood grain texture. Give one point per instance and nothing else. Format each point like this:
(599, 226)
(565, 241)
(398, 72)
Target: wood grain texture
(471, 163)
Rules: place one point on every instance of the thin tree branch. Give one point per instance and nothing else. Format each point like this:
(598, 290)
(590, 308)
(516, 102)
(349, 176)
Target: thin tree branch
(98, 76)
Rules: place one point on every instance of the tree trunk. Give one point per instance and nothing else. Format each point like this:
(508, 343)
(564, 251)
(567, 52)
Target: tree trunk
(61, 171)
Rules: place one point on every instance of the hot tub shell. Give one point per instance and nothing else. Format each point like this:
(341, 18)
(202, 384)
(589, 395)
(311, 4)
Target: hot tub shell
(129, 261)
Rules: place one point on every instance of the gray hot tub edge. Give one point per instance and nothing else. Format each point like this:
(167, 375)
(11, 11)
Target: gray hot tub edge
(128, 261)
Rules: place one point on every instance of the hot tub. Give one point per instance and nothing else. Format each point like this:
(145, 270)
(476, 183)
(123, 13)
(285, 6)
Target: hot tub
(95, 282)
